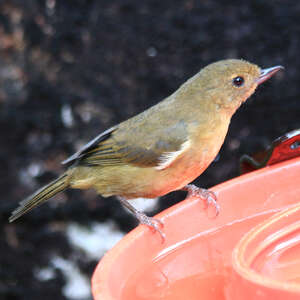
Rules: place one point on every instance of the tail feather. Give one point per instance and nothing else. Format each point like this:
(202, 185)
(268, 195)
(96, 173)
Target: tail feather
(40, 196)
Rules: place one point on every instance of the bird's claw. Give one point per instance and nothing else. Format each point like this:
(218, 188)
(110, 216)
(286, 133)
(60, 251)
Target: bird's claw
(152, 223)
(209, 199)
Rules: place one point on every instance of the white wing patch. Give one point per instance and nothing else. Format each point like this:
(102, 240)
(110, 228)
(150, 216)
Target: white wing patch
(167, 158)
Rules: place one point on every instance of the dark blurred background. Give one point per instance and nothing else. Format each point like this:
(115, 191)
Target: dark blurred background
(71, 69)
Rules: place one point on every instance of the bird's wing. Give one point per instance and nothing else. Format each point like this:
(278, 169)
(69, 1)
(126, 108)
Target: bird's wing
(89, 146)
(135, 145)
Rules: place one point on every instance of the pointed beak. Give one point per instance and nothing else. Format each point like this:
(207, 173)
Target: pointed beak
(265, 74)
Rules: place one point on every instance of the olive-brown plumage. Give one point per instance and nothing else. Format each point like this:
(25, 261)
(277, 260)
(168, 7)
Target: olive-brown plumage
(165, 147)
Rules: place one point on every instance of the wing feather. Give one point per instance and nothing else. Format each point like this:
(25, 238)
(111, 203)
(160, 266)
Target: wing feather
(157, 147)
(90, 145)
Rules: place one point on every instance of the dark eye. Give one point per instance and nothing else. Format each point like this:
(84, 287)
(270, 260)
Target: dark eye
(238, 81)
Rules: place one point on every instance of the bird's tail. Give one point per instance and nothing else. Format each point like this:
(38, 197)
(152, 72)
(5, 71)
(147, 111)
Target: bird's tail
(40, 196)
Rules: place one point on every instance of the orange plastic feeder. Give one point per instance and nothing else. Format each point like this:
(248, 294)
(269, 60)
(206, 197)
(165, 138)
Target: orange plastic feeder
(267, 259)
(250, 251)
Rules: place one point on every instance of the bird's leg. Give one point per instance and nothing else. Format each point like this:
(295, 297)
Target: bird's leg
(209, 198)
(153, 223)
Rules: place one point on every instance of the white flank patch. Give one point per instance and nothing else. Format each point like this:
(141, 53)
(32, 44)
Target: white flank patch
(167, 158)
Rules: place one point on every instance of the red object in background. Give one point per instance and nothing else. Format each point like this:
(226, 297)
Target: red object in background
(283, 148)
(209, 259)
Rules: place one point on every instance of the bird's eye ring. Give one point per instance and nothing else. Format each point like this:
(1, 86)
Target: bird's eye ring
(238, 81)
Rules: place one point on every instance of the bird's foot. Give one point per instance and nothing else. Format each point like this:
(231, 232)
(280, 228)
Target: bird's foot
(209, 199)
(152, 223)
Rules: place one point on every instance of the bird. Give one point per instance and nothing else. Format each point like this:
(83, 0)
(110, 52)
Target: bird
(164, 148)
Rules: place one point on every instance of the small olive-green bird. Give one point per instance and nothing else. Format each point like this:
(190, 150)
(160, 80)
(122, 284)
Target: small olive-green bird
(163, 148)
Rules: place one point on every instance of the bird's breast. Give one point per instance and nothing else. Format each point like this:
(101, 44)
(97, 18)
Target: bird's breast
(203, 147)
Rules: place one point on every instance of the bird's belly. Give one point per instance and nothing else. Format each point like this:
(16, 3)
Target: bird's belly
(189, 167)
(154, 183)
(135, 182)
(183, 173)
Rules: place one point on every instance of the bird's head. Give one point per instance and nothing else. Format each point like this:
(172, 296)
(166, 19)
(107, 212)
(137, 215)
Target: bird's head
(228, 83)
